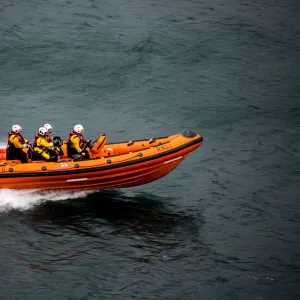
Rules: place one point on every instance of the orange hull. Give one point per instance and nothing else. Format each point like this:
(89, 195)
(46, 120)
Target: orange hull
(116, 165)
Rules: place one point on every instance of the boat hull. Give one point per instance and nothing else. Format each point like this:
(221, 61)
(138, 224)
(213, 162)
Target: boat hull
(118, 171)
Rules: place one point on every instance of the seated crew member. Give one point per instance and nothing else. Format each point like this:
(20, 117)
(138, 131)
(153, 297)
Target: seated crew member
(42, 147)
(50, 138)
(76, 142)
(15, 145)
(49, 129)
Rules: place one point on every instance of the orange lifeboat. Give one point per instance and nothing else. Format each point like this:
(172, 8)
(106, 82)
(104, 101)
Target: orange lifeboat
(114, 165)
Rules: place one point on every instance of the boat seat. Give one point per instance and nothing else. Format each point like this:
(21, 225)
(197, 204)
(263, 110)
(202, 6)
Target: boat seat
(99, 144)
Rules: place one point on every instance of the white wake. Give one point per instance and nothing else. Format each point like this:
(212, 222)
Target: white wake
(27, 199)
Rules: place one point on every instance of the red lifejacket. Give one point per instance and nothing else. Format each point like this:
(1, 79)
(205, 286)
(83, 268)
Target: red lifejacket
(35, 139)
(19, 136)
(82, 140)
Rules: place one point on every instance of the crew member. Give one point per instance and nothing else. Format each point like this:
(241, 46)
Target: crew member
(15, 145)
(76, 142)
(49, 129)
(43, 148)
(57, 142)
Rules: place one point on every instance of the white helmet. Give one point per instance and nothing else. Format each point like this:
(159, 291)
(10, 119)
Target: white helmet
(17, 129)
(49, 128)
(43, 131)
(79, 129)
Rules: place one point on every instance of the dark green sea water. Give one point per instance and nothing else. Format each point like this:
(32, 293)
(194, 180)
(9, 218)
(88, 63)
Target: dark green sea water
(225, 223)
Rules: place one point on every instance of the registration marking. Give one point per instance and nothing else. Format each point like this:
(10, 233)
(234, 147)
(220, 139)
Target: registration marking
(171, 160)
(77, 179)
(163, 147)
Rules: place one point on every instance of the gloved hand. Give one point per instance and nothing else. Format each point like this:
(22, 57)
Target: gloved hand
(82, 154)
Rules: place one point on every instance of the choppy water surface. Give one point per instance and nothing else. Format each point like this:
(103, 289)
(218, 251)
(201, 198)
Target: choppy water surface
(225, 223)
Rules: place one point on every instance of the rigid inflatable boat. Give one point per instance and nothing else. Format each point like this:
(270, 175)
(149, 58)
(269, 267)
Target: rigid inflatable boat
(114, 165)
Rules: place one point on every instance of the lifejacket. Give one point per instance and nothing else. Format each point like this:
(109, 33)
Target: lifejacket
(36, 137)
(81, 139)
(20, 137)
(35, 140)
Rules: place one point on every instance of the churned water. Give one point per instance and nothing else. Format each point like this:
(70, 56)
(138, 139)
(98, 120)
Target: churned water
(225, 223)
